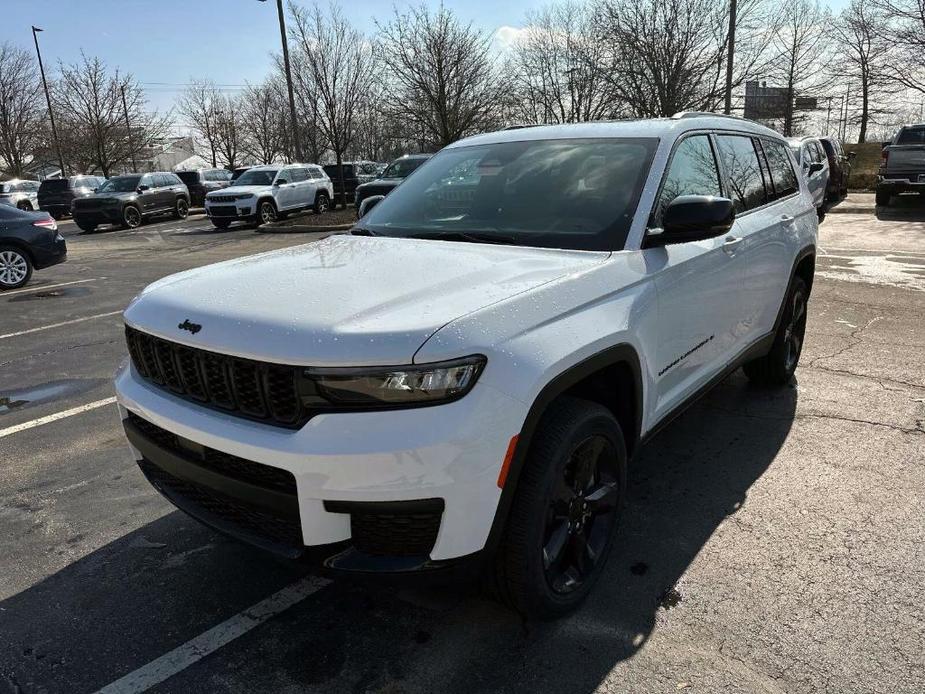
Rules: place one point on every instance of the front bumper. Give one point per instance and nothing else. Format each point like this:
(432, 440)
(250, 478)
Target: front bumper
(239, 209)
(343, 465)
(97, 215)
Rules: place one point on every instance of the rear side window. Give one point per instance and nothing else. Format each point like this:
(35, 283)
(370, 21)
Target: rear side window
(783, 177)
(189, 177)
(55, 184)
(299, 174)
(743, 171)
(911, 136)
(692, 171)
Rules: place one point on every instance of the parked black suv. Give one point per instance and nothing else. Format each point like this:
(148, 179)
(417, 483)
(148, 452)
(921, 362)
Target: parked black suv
(57, 194)
(839, 169)
(130, 199)
(394, 174)
(355, 173)
(202, 181)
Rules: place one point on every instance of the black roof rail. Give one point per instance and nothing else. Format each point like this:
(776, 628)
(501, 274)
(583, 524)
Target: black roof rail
(705, 114)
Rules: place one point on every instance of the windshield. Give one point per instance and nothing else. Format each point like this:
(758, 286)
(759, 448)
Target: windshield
(578, 194)
(256, 177)
(402, 167)
(120, 184)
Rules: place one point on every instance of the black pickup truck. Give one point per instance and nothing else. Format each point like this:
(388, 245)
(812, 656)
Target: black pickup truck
(902, 168)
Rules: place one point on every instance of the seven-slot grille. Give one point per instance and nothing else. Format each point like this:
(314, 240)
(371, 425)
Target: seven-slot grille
(221, 198)
(223, 210)
(251, 389)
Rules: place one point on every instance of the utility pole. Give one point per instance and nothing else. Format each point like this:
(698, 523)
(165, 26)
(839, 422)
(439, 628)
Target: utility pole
(828, 115)
(296, 145)
(727, 109)
(128, 129)
(51, 116)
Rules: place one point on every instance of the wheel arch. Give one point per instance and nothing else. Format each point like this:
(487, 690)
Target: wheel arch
(602, 378)
(804, 267)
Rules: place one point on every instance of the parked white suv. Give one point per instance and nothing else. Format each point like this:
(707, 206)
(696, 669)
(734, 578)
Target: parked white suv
(263, 194)
(463, 385)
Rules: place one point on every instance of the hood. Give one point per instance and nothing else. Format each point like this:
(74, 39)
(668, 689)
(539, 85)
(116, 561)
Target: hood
(380, 184)
(346, 300)
(242, 190)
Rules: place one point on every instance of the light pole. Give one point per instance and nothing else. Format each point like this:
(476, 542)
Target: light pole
(128, 129)
(51, 115)
(296, 145)
(727, 109)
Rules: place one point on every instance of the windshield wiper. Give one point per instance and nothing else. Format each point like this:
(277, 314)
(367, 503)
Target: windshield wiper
(360, 231)
(466, 236)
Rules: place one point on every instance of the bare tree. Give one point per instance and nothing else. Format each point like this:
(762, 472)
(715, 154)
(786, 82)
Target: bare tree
(88, 101)
(228, 127)
(446, 80)
(906, 30)
(21, 112)
(308, 107)
(667, 56)
(802, 52)
(262, 116)
(339, 69)
(199, 105)
(863, 57)
(556, 66)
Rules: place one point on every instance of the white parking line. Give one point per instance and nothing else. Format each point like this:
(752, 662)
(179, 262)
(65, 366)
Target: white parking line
(58, 325)
(47, 286)
(55, 417)
(210, 641)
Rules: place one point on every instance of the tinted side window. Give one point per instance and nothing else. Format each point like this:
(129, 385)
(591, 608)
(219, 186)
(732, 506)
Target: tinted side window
(692, 171)
(783, 177)
(743, 171)
(299, 174)
(148, 180)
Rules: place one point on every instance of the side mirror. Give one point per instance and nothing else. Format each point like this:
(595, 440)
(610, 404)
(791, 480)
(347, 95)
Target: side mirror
(887, 143)
(280, 182)
(368, 204)
(96, 190)
(815, 167)
(852, 155)
(142, 188)
(693, 218)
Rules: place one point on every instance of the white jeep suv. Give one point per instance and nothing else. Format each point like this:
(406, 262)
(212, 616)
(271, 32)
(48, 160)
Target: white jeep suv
(263, 194)
(462, 381)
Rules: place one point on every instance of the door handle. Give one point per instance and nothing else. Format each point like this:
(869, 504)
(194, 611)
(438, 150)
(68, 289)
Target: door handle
(786, 219)
(731, 244)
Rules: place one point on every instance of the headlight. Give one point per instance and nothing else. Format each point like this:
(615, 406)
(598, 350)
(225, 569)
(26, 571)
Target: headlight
(384, 386)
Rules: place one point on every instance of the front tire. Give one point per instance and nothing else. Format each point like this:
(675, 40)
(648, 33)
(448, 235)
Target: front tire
(89, 228)
(883, 198)
(15, 267)
(565, 510)
(181, 209)
(131, 217)
(266, 213)
(777, 366)
(25, 205)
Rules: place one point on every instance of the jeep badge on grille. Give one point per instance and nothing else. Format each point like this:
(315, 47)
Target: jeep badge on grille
(192, 327)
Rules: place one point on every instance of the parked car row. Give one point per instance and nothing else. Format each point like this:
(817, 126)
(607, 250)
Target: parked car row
(826, 168)
(19, 193)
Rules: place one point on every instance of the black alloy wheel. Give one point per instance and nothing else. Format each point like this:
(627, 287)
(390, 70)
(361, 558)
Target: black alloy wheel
(131, 217)
(582, 514)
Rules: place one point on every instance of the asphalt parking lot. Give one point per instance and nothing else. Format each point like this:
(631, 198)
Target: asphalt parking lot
(773, 541)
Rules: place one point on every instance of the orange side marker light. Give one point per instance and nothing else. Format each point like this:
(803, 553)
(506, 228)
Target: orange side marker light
(508, 457)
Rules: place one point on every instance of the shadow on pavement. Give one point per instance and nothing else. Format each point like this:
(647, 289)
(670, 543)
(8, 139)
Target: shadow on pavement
(903, 208)
(153, 589)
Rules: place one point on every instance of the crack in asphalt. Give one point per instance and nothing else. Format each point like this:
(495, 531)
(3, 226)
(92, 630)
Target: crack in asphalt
(58, 350)
(856, 340)
(918, 429)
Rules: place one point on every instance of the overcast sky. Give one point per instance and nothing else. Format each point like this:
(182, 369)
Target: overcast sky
(165, 43)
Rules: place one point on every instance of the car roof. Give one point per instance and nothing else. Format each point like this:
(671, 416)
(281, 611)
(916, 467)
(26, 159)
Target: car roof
(652, 127)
